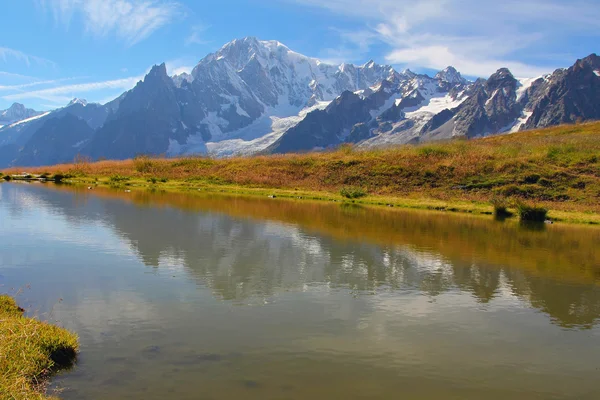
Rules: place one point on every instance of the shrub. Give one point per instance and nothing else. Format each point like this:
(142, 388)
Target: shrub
(533, 178)
(7, 178)
(501, 207)
(58, 178)
(144, 164)
(353, 192)
(528, 212)
(153, 180)
(118, 178)
(346, 148)
(431, 151)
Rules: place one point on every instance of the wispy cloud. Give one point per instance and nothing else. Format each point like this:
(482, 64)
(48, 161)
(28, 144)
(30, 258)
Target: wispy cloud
(129, 20)
(20, 87)
(7, 53)
(196, 35)
(11, 75)
(62, 94)
(475, 36)
(179, 66)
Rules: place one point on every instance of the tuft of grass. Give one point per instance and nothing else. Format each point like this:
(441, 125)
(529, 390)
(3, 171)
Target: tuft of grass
(58, 178)
(30, 352)
(353, 192)
(501, 205)
(119, 178)
(529, 212)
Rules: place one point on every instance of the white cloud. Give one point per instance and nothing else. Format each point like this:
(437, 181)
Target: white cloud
(20, 87)
(11, 75)
(62, 94)
(476, 36)
(129, 20)
(196, 37)
(179, 66)
(7, 53)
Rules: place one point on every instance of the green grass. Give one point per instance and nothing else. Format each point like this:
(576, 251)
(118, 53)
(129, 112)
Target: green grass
(532, 213)
(30, 352)
(353, 192)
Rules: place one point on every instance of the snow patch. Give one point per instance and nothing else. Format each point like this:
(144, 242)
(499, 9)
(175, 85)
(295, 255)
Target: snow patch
(597, 72)
(252, 139)
(491, 97)
(524, 84)
(29, 119)
(522, 120)
(435, 105)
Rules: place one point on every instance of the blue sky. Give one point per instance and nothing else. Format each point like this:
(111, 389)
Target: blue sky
(54, 50)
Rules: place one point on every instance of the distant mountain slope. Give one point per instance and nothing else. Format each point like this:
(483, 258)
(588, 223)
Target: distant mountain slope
(254, 96)
(58, 140)
(16, 112)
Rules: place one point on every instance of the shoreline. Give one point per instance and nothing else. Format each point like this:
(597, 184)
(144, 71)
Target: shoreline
(555, 169)
(459, 206)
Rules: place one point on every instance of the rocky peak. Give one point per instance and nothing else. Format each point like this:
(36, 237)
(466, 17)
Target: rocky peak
(450, 75)
(76, 100)
(501, 79)
(157, 73)
(590, 62)
(16, 112)
(16, 107)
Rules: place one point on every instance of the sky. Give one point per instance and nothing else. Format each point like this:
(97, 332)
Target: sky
(52, 51)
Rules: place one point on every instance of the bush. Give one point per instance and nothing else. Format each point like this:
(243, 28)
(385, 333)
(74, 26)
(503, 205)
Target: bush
(7, 178)
(119, 178)
(432, 151)
(528, 212)
(353, 192)
(144, 164)
(501, 207)
(58, 178)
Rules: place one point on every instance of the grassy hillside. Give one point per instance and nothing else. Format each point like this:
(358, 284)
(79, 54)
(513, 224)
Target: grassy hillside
(558, 168)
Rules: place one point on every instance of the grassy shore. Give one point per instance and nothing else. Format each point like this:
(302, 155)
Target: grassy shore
(556, 168)
(30, 351)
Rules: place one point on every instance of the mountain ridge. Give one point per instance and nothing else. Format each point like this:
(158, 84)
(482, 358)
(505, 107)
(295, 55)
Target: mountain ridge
(254, 96)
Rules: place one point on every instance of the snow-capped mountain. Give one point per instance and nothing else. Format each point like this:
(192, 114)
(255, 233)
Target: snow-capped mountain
(256, 96)
(15, 113)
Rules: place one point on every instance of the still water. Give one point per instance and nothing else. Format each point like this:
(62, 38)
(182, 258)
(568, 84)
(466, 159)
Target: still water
(210, 297)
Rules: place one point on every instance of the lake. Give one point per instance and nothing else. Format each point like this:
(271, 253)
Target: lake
(206, 296)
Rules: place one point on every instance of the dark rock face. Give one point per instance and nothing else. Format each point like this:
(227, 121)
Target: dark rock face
(490, 108)
(324, 128)
(336, 124)
(566, 96)
(148, 117)
(438, 120)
